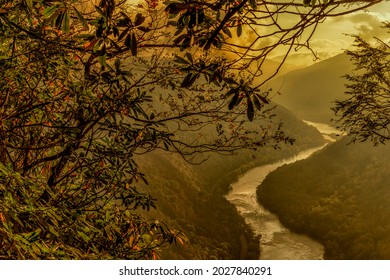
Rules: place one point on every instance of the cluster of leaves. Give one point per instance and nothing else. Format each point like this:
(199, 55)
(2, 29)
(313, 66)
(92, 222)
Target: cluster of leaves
(68, 178)
(33, 229)
(365, 113)
(75, 107)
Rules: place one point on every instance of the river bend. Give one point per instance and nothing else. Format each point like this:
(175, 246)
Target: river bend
(277, 242)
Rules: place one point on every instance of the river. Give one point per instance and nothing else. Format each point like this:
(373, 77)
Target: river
(277, 242)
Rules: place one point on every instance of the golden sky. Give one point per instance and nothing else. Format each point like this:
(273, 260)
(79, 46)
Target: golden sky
(331, 39)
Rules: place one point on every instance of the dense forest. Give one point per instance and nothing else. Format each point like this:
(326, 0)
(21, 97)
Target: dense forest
(190, 197)
(339, 196)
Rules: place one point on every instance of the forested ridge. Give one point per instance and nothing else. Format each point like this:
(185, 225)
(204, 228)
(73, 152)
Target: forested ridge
(340, 196)
(190, 197)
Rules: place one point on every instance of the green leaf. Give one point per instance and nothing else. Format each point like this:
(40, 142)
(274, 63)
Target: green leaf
(133, 45)
(85, 237)
(29, 4)
(66, 22)
(81, 18)
(49, 11)
(100, 11)
(96, 46)
(253, 4)
(35, 248)
(102, 59)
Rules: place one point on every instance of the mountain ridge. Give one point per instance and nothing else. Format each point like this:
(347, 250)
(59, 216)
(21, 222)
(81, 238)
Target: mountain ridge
(310, 92)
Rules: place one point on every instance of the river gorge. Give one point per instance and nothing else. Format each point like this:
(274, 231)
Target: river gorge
(277, 242)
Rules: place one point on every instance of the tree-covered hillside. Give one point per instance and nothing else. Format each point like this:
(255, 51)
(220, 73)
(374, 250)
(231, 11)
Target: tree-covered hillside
(340, 196)
(190, 197)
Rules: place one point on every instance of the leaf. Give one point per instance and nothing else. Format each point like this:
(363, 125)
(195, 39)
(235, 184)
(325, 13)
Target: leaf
(128, 41)
(100, 11)
(133, 45)
(35, 248)
(97, 45)
(231, 91)
(143, 29)
(126, 17)
(33, 235)
(180, 38)
(102, 59)
(81, 18)
(181, 60)
(139, 19)
(117, 65)
(186, 81)
(89, 45)
(262, 98)
(175, 8)
(253, 4)
(233, 101)
(189, 57)
(49, 11)
(85, 237)
(239, 30)
(257, 102)
(190, 79)
(29, 4)
(250, 112)
(178, 31)
(123, 35)
(226, 30)
(115, 30)
(66, 22)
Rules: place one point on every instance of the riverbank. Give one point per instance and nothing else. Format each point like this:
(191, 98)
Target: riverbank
(340, 197)
(276, 242)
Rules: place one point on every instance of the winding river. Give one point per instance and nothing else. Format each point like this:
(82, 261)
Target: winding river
(277, 242)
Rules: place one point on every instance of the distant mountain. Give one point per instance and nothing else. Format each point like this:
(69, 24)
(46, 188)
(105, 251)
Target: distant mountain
(311, 91)
(339, 196)
(270, 66)
(302, 60)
